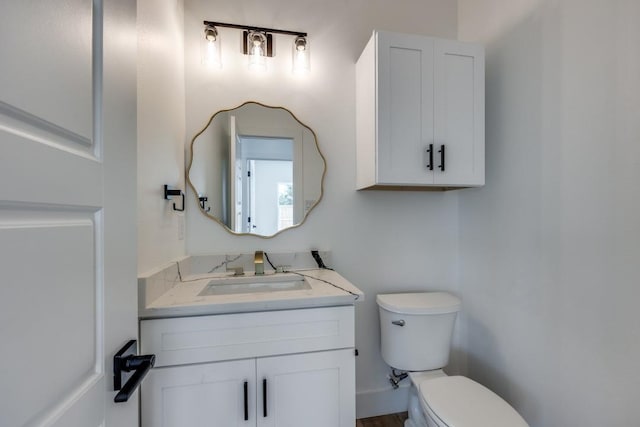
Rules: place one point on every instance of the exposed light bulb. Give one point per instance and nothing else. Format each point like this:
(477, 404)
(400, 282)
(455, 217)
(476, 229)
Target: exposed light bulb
(211, 48)
(301, 60)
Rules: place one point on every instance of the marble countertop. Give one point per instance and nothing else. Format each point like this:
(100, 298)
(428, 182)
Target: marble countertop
(327, 288)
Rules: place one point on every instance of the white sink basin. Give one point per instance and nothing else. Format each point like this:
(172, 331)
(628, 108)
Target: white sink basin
(255, 284)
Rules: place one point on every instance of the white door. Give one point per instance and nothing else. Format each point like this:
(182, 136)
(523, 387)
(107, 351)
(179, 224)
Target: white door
(219, 394)
(67, 209)
(405, 108)
(265, 176)
(235, 178)
(311, 390)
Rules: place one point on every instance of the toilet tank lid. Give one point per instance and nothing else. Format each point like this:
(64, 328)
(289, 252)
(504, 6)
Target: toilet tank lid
(461, 402)
(419, 303)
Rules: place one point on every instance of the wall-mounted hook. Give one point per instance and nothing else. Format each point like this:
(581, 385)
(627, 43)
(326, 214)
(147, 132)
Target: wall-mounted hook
(168, 194)
(203, 203)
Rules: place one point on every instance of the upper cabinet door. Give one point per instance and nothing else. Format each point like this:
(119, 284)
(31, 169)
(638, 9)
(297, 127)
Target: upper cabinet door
(419, 113)
(405, 72)
(459, 114)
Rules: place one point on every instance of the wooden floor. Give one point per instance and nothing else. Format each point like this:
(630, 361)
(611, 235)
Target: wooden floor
(392, 420)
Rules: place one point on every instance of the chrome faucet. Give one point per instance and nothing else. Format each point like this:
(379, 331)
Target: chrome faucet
(258, 263)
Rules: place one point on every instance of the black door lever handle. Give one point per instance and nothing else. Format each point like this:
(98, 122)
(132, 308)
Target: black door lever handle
(127, 361)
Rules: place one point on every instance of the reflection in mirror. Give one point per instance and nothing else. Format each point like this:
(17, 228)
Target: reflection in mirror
(256, 169)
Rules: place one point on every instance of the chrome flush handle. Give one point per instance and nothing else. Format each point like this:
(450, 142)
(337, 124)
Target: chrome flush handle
(399, 322)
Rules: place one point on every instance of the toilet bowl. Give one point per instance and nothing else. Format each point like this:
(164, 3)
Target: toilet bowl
(458, 401)
(416, 331)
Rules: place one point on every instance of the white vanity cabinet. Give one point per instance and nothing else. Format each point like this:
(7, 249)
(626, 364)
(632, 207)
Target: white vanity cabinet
(276, 369)
(419, 113)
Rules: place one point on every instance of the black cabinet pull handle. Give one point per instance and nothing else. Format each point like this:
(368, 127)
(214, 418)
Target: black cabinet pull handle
(264, 397)
(246, 402)
(430, 151)
(441, 151)
(125, 360)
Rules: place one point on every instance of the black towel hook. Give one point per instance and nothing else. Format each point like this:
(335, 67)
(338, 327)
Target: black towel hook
(168, 194)
(203, 203)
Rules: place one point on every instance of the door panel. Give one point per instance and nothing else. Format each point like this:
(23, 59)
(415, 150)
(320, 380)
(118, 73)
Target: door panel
(49, 74)
(50, 254)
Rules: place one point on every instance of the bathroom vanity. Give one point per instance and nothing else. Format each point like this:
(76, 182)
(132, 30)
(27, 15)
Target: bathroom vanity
(273, 350)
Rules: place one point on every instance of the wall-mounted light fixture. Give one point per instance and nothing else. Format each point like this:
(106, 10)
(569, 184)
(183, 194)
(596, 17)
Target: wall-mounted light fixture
(257, 43)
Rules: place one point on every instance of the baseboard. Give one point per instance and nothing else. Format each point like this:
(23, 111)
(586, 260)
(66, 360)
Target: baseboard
(372, 403)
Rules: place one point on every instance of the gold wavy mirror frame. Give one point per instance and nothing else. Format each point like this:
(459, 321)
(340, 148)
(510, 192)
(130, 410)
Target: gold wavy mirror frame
(256, 169)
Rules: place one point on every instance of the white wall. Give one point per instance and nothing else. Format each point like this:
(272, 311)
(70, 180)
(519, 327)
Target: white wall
(381, 241)
(550, 252)
(161, 135)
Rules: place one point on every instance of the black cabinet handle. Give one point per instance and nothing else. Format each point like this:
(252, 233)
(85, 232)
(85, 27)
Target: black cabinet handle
(441, 151)
(246, 403)
(125, 360)
(430, 151)
(264, 397)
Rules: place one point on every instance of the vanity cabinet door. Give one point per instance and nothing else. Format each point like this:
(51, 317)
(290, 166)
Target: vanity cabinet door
(311, 390)
(211, 395)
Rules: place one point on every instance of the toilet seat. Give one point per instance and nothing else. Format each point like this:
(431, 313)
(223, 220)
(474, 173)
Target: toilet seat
(460, 402)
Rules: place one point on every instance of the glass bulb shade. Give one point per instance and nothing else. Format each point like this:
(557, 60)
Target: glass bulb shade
(210, 49)
(257, 61)
(257, 46)
(301, 56)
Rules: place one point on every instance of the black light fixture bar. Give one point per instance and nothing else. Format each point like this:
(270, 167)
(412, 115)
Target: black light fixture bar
(250, 28)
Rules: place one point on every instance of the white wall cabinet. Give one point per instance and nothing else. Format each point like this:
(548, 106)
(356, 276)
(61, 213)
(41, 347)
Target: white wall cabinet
(205, 377)
(419, 113)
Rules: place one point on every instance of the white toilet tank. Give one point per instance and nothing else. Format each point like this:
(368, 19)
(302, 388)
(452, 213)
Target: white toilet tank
(416, 329)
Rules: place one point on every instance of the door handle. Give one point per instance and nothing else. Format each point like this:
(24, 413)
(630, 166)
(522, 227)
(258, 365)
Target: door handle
(126, 360)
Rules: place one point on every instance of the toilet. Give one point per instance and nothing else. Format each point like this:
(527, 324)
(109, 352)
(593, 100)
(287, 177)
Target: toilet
(416, 331)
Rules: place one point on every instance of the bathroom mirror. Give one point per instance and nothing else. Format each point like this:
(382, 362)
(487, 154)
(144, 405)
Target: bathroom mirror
(256, 169)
